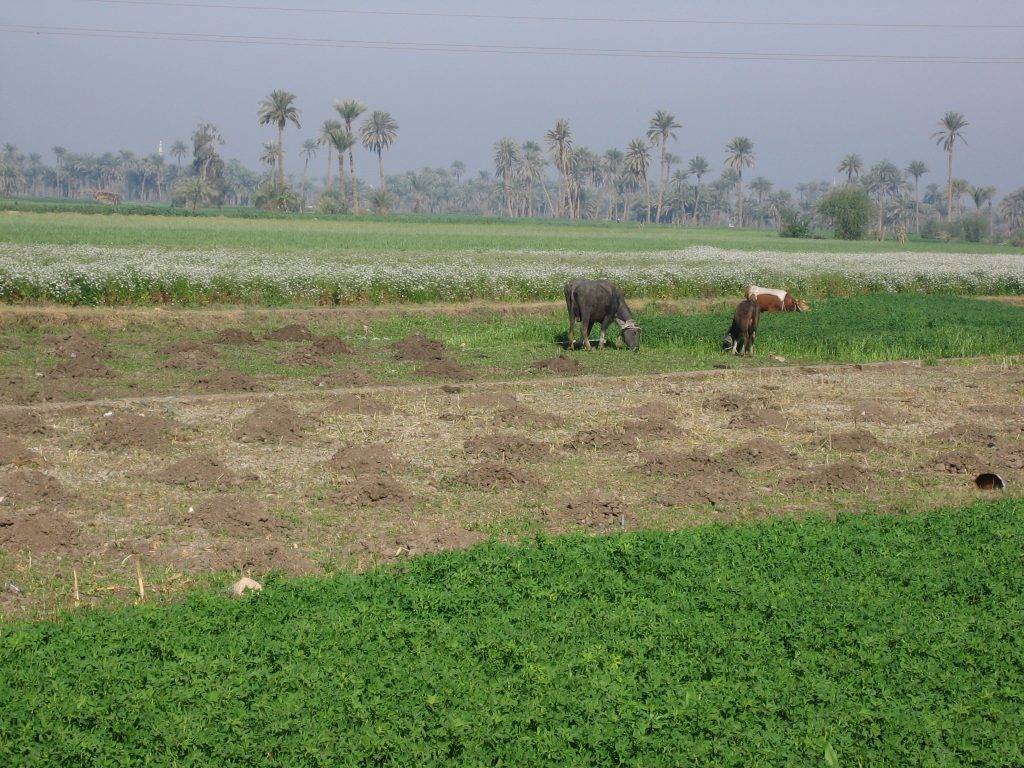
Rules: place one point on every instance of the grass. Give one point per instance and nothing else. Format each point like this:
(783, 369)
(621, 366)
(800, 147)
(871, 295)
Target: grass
(868, 640)
(409, 234)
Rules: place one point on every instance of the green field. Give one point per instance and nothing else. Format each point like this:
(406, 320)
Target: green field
(868, 640)
(407, 234)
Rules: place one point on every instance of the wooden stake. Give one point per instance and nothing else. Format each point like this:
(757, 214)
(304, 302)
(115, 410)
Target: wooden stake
(138, 578)
(74, 585)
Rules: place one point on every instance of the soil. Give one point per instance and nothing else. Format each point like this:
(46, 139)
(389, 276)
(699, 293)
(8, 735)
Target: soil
(81, 368)
(22, 423)
(38, 530)
(350, 377)
(417, 537)
(759, 453)
(736, 403)
(74, 345)
(955, 463)
(235, 336)
(273, 422)
(262, 557)
(493, 475)
(445, 369)
(418, 348)
(593, 510)
(202, 470)
(873, 412)
(759, 418)
(834, 477)
(377, 490)
(189, 356)
(364, 405)
(236, 515)
(306, 358)
(132, 430)
(14, 454)
(30, 487)
(973, 433)
(487, 400)
(656, 425)
(713, 491)
(601, 439)
(228, 381)
(331, 345)
(559, 365)
(291, 332)
(677, 464)
(357, 460)
(854, 441)
(521, 416)
(507, 447)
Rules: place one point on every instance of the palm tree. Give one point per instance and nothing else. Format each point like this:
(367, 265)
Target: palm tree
(950, 131)
(341, 142)
(178, 150)
(851, 165)
(278, 109)
(916, 170)
(506, 161)
(195, 190)
(740, 155)
(559, 141)
(980, 196)
(1012, 209)
(883, 180)
(379, 132)
(533, 163)
(637, 163)
(458, 168)
(324, 140)
(308, 152)
(349, 110)
(660, 129)
(269, 154)
(698, 167)
(611, 169)
(60, 153)
(960, 188)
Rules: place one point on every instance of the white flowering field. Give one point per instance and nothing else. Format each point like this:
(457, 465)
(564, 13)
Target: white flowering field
(83, 274)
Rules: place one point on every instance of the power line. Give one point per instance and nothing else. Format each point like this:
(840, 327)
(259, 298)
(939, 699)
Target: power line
(590, 19)
(446, 47)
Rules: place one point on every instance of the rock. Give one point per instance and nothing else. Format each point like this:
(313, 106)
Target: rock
(245, 584)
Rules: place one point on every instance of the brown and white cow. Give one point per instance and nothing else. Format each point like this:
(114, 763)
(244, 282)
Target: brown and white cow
(775, 300)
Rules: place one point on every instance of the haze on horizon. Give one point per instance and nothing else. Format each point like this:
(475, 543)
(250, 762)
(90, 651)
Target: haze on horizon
(96, 95)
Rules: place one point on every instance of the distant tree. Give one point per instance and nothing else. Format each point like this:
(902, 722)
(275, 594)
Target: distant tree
(849, 209)
(458, 169)
(980, 196)
(611, 170)
(883, 181)
(269, 154)
(342, 142)
(506, 162)
(851, 165)
(661, 128)
(324, 140)
(349, 110)
(179, 149)
(309, 149)
(951, 128)
(559, 140)
(195, 191)
(1012, 209)
(637, 164)
(59, 153)
(698, 167)
(739, 155)
(279, 109)
(379, 132)
(532, 166)
(761, 187)
(916, 170)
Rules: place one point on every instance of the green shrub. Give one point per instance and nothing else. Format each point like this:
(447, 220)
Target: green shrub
(794, 224)
(271, 197)
(331, 203)
(972, 228)
(850, 210)
(931, 229)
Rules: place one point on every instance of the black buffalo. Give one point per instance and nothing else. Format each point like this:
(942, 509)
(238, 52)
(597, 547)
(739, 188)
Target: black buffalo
(740, 339)
(599, 301)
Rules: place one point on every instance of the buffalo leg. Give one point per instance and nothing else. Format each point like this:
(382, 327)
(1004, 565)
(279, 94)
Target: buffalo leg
(604, 332)
(572, 332)
(587, 325)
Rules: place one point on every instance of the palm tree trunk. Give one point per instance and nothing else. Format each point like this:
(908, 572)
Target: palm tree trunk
(696, 200)
(380, 162)
(949, 185)
(739, 198)
(330, 162)
(280, 157)
(881, 217)
(547, 197)
(305, 174)
(662, 180)
(341, 176)
(647, 188)
(917, 205)
(352, 173)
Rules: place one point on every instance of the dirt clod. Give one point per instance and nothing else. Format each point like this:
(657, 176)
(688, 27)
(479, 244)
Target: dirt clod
(331, 345)
(291, 332)
(235, 336)
(491, 475)
(376, 490)
(228, 381)
(955, 463)
(359, 460)
(350, 377)
(854, 441)
(31, 487)
(507, 447)
(202, 470)
(601, 439)
(235, 515)
(834, 477)
(37, 530)
(758, 418)
(418, 348)
(22, 423)
(678, 464)
(75, 345)
(364, 405)
(873, 412)
(593, 510)
(487, 400)
(559, 365)
(521, 416)
(711, 491)
(14, 454)
(759, 452)
(132, 430)
(444, 369)
(273, 422)
(81, 368)
(970, 433)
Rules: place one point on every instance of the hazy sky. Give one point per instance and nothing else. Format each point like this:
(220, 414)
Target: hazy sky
(95, 94)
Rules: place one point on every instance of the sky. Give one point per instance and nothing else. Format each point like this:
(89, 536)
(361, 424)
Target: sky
(95, 94)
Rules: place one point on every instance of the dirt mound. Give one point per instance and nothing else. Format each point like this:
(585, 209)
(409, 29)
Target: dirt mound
(37, 530)
(834, 477)
(758, 418)
(444, 369)
(736, 403)
(228, 381)
(22, 423)
(132, 430)
(184, 346)
(505, 447)
(758, 452)
(873, 412)
(714, 491)
(271, 423)
(202, 470)
(559, 365)
(601, 439)
(364, 405)
(81, 368)
(235, 336)
(29, 487)
(653, 409)
(486, 400)
(350, 377)
(305, 358)
(955, 463)
(263, 557)
(331, 345)
(968, 432)
(517, 415)
(357, 460)
(655, 425)
(236, 515)
(75, 345)
(14, 454)
(854, 441)
(594, 510)
(377, 490)
(291, 332)
(418, 348)
(197, 359)
(678, 464)
(425, 536)
(491, 475)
